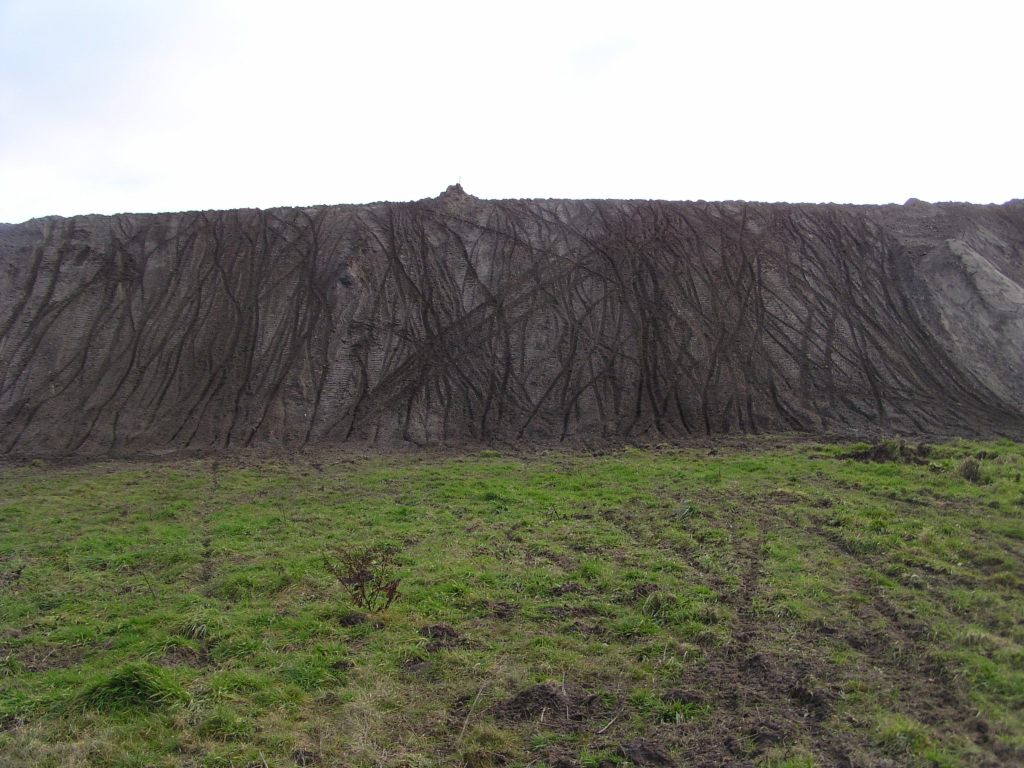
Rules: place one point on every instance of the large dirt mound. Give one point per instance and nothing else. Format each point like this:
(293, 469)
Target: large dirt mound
(457, 318)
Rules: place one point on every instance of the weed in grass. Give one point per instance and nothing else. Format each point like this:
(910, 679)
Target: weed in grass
(367, 574)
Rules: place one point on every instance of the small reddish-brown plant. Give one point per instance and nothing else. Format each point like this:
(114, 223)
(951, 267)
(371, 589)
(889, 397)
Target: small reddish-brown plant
(367, 574)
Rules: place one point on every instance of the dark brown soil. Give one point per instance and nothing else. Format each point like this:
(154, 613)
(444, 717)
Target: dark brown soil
(305, 757)
(552, 704)
(646, 754)
(441, 636)
(439, 632)
(684, 696)
(42, 656)
(501, 609)
(178, 655)
(352, 618)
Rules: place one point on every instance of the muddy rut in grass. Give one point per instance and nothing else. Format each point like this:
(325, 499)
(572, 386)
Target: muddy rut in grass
(772, 687)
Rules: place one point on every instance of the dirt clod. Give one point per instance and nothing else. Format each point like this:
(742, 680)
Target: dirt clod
(10, 723)
(575, 611)
(551, 703)
(818, 702)
(546, 698)
(353, 618)
(416, 666)
(559, 756)
(441, 636)
(767, 734)
(683, 696)
(646, 754)
(500, 609)
(439, 632)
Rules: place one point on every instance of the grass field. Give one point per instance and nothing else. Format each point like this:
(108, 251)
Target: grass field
(761, 602)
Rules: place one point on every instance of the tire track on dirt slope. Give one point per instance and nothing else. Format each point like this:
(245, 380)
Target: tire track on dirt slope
(458, 319)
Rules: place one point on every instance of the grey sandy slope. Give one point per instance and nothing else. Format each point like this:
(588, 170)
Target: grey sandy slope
(457, 318)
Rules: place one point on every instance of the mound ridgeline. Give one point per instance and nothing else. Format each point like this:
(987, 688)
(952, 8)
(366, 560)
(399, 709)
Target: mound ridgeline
(456, 318)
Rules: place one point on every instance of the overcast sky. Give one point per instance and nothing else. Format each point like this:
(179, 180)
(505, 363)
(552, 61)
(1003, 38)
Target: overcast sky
(129, 105)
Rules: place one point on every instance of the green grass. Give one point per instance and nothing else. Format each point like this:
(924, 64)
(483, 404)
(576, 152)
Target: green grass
(764, 601)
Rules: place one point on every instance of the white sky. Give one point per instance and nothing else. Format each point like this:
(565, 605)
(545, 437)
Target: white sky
(136, 105)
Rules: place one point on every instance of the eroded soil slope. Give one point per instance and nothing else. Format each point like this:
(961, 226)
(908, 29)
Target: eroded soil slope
(457, 318)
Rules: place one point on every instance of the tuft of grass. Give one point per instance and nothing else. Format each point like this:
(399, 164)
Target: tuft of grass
(901, 736)
(970, 470)
(135, 686)
(224, 725)
(650, 705)
(488, 746)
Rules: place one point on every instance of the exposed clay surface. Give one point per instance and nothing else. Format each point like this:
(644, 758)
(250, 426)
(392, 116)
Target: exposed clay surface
(457, 319)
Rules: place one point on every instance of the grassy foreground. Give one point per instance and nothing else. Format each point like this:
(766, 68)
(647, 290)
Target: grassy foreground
(753, 603)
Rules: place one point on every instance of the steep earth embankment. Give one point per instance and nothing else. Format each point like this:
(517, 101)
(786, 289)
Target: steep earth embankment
(457, 318)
